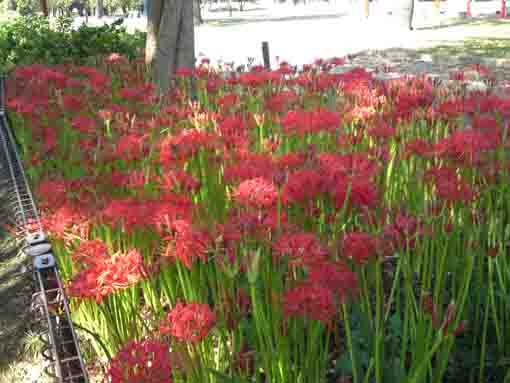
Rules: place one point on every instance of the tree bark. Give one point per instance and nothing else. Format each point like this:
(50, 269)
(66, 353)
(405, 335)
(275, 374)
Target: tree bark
(99, 8)
(44, 7)
(197, 12)
(411, 14)
(170, 39)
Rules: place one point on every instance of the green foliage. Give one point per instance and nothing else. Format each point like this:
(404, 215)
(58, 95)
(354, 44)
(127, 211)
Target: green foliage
(31, 39)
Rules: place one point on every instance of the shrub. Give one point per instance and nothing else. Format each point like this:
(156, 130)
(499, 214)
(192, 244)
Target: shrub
(32, 39)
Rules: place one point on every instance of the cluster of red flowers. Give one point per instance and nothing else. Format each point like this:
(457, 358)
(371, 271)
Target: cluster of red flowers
(311, 301)
(105, 275)
(189, 322)
(287, 170)
(187, 244)
(131, 213)
(301, 248)
(303, 122)
(142, 362)
(257, 193)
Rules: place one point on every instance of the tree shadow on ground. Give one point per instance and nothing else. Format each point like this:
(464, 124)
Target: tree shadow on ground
(483, 47)
(225, 22)
(16, 289)
(236, 9)
(472, 21)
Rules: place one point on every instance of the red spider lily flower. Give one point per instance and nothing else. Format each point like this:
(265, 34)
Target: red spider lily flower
(137, 94)
(70, 217)
(178, 180)
(285, 68)
(187, 244)
(100, 83)
(348, 165)
(117, 272)
(141, 362)
(382, 131)
(58, 79)
(457, 75)
(460, 328)
(403, 232)
(278, 102)
(303, 122)
(228, 101)
(254, 79)
(359, 246)
(191, 322)
(257, 192)
(337, 277)
(90, 253)
(49, 138)
(310, 301)
(84, 124)
(185, 145)
(419, 147)
(184, 72)
(301, 248)
(450, 187)
(72, 103)
(361, 192)
(214, 84)
(291, 161)
(131, 213)
(234, 131)
(245, 361)
(52, 192)
(131, 147)
(106, 114)
(454, 190)
(255, 224)
(28, 72)
(303, 185)
(136, 180)
(465, 146)
(248, 166)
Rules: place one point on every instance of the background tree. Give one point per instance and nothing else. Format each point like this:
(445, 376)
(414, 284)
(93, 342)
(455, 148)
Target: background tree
(170, 39)
(411, 14)
(197, 12)
(99, 8)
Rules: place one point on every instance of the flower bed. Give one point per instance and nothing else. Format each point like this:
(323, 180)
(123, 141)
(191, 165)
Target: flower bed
(275, 226)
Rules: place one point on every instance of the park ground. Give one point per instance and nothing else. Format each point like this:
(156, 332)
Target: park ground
(303, 33)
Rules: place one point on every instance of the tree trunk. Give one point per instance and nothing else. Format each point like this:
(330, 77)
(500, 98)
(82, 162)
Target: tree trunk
(411, 14)
(366, 7)
(44, 7)
(197, 12)
(11, 5)
(170, 39)
(99, 8)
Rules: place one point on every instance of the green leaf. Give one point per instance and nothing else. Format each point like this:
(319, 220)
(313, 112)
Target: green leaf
(227, 379)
